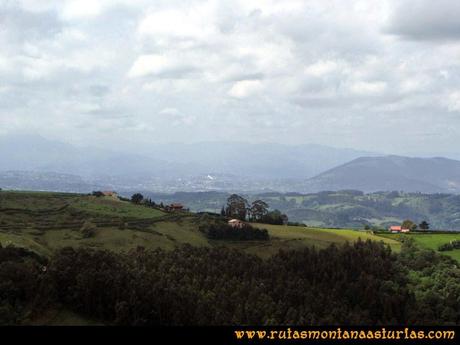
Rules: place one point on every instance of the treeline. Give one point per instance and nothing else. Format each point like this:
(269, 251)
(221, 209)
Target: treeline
(357, 284)
(20, 284)
(435, 285)
(223, 231)
(257, 211)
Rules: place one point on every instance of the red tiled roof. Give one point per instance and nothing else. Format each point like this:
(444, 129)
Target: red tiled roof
(395, 228)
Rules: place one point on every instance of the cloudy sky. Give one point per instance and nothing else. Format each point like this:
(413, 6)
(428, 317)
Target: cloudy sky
(379, 75)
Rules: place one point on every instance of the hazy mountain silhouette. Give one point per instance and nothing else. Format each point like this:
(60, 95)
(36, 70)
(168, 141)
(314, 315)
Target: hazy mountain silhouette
(387, 173)
(35, 153)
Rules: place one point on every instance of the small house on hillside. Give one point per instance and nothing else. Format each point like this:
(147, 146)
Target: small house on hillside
(236, 223)
(110, 193)
(397, 229)
(175, 206)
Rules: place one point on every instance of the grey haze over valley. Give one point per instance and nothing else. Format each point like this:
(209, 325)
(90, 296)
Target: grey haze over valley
(235, 95)
(32, 162)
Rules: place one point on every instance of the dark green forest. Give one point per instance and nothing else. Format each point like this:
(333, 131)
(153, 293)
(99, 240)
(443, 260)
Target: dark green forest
(223, 231)
(356, 284)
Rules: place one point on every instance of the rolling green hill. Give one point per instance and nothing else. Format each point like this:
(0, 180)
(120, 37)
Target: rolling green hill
(46, 222)
(342, 209)
(430, 241)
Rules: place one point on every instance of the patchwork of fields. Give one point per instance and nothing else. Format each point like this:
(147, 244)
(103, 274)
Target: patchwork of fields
(46, 222)
(430, 241)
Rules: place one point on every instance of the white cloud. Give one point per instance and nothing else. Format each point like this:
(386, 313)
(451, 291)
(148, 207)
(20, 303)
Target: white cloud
(189, 22)
(176, 117)
(4, 63)
(155, 64)
(321, 68)
(170, 111)
(329, 67)
(149, 64)
(76, 9)
(245, 88)
(453, 101)
(366, 88)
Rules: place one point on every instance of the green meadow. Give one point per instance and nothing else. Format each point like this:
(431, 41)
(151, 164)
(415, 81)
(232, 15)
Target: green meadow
(45, 222)
(430, 241)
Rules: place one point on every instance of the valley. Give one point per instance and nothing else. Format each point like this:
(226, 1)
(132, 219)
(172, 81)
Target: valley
(45, 222)
(76, 251)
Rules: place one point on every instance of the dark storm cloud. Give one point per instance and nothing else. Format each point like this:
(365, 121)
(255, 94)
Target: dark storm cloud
(25, 25)
(426, 20)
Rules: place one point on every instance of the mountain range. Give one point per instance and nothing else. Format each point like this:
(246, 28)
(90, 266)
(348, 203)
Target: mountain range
(35, 153)
(390, 173)
(33, 162)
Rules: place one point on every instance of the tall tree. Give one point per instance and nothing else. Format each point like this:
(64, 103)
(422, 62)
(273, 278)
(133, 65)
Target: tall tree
(424, 225)
(237, 207)
(274, 217)
(408, 224)
(137, 198)
(259, 209)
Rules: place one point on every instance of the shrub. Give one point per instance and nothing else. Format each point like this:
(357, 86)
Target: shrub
(455, 244)
(222, 231)
(88, 229)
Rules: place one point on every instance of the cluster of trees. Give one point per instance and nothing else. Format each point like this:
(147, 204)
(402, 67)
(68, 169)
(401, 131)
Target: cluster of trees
(455, 244)
(20, 283)
(409, 224)
(223, 231)
(406, 224)
(357, 284)
(257, 211)
(138, 198)
(434, 280)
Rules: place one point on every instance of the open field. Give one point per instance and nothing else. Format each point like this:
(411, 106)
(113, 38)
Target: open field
(430, 241)
(107, 206)
(45, 222)
(295, 237)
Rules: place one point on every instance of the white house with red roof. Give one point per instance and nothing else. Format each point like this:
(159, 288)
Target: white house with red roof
(397, 229)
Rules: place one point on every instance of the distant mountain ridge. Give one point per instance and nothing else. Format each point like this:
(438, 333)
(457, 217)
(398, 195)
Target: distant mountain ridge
(388, 173)
(176, 160)
(29, 162)
(37, 154)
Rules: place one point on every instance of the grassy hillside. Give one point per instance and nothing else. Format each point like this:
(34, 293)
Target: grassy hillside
(46, 222)
(430, 241)
(294, 237)
(343, 209)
